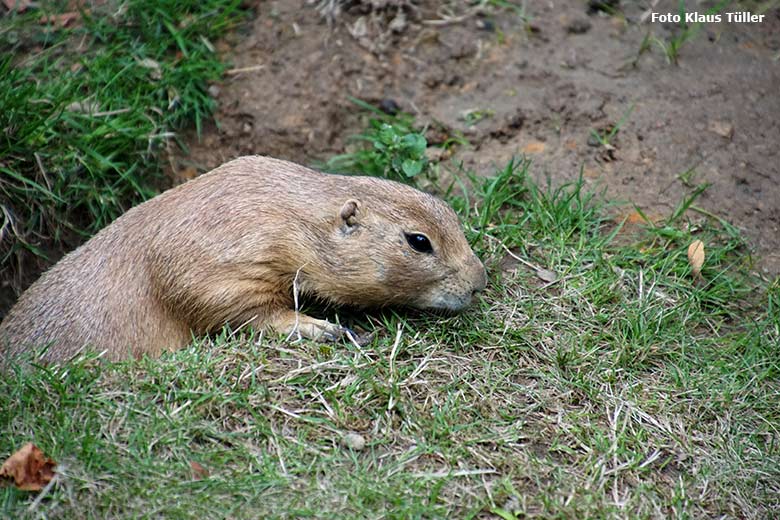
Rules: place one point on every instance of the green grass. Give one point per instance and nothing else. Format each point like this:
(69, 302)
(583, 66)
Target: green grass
(684, 32)
(596, 379)
(88, 113)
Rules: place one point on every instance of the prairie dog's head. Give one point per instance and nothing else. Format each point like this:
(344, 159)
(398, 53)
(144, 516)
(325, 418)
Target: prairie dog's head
(398, 245)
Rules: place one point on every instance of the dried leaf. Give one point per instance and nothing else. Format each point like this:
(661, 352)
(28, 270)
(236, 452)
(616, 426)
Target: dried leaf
(187, 173)
(354, 441)
(18, 5)
(534, 147)
(154, 67)
(198, 471)
(590, 173)
(84, 107)
(29, 468)
(61, 20)
(696, 256)
(722, 128)
(546, 275)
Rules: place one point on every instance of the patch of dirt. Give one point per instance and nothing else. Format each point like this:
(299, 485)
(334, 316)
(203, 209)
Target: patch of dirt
(542, 86)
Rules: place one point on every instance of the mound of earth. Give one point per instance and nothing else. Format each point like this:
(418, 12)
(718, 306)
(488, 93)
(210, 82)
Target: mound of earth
(541, 83)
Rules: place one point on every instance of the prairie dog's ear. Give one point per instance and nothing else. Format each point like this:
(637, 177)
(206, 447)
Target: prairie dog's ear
(350, 215)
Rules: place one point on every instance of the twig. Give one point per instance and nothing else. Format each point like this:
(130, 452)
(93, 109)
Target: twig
(303, 370)
(45, 491)
(303, 418)
(247, 322)
(460, 473)
(111, 112)
(393, 355)
(239, 70)
(357, 345)
(450, 19)
(296, 326)
(521, 260)
(43, 171)
(540, 272)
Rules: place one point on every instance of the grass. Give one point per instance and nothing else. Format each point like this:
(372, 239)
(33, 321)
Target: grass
(89, 111)
(686, 31)
(619, 387)
(605, 137)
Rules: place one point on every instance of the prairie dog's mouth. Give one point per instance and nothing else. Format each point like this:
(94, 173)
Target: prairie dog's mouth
(448, 303)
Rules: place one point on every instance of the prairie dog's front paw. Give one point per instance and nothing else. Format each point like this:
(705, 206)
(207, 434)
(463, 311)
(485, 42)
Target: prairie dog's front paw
(296, 324)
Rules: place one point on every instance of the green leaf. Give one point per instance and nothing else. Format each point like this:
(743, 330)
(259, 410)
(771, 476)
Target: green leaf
(387, 134)
(415, 143)
(411, 168)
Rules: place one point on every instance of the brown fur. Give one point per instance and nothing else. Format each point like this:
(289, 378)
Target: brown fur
(226, 248)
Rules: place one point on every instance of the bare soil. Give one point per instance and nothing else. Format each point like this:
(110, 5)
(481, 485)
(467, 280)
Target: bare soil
(541, 85)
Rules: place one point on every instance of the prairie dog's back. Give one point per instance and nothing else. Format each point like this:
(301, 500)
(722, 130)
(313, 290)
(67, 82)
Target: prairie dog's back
(84, 299)
(103, 292)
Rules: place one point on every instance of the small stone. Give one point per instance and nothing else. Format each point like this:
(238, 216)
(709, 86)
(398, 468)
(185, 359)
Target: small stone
(389, 106)
(354, 441)
(486, 25)
(214, 91)
(435, 153)
(722, 128)
(578, 26)
(593, 141)
(398, 24)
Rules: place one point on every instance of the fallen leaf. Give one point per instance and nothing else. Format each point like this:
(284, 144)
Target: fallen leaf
(29, 468)
(546, 275)
(722, 128)
(636, 218)
(153, 66)
(590, 173)
(187, 173)
(354, 441)
(84, 107)
(696, 257)
(19, 5)
(198, 471)
(61, 20)
(534, 147)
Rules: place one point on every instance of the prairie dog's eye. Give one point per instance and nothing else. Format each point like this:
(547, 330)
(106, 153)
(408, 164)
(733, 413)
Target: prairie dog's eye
(419, 242)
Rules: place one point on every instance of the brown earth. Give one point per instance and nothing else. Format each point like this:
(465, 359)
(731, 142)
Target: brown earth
(543, 83)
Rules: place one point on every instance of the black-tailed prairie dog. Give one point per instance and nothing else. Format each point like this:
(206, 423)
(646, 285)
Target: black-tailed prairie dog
(227, 248)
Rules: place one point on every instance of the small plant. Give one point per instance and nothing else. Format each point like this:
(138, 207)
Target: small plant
(396, 151)
(671, 48)
(401, 153)
(605, 137)
(474, 116)
(686, 177)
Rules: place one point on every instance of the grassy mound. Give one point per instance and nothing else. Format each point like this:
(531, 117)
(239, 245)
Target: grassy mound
(89, 103)
(599, 378)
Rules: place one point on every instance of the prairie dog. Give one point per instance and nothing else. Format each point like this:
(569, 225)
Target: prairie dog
(227, 247)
